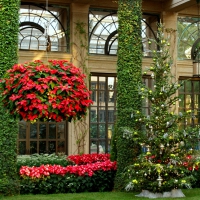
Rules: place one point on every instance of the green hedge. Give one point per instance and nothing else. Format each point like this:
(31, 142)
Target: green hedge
(42, 159)
(9, 19)
(101, 181)
(129, 74)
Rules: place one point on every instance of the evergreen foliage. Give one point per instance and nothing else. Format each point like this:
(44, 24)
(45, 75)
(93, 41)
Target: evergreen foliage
(9, 18)
(163, 164)
(129, 75)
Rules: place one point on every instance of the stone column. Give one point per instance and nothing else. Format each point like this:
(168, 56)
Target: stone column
(78, 133)
(170, 21)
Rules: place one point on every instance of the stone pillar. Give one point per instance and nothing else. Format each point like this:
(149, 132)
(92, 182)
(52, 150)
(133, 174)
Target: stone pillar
(78, 133)
(169, 19)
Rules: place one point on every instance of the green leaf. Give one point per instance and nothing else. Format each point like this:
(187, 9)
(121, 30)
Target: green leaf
(52, 85)
(59, 91)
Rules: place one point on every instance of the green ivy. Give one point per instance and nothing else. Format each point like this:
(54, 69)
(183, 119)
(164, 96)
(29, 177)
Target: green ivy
(129, 74)
(9, 18)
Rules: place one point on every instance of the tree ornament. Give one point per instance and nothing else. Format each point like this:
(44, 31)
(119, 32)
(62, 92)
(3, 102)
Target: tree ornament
(159, 179)
(148, 148)
(162, 147)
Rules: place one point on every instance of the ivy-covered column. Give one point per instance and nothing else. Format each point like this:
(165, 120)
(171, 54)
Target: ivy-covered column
(9, 19)
(129, 75)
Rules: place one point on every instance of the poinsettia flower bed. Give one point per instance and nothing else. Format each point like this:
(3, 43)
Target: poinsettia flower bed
(90, 176)
(80, 170)
(88, 158)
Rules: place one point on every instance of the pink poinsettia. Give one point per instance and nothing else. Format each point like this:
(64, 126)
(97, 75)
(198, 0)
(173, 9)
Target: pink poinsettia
(80, 170)
(35, 91)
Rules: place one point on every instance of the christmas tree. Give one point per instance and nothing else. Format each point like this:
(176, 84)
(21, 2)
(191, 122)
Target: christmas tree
(167, 142)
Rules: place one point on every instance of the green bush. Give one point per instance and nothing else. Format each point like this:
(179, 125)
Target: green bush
(42, 159)
(9, 18)
(101, 181)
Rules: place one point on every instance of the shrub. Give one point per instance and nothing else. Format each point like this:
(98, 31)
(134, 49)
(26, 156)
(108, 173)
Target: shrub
(42, 159)
(89, 177)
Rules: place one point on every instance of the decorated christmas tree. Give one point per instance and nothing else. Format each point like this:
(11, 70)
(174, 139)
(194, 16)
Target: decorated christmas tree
(167, 142)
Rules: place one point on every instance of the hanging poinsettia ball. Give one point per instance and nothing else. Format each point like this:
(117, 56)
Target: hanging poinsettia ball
(36, 91)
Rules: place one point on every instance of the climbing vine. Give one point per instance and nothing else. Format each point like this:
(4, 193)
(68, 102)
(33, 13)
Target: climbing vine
(9, 18)
(129, 74)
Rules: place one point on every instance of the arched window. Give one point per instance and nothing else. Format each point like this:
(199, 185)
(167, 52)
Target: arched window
(188, 40)
(103, 25)
(43, 29)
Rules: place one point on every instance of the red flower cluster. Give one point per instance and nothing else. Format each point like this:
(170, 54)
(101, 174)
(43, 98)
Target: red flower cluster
(80, 170)
(56, 91)
(190, 163)
(88, 158)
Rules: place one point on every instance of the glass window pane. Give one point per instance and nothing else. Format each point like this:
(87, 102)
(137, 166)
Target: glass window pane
(111, 115)
(61, 131)
(188, 101)
(181, 101)
(102, 96)
(102, 111)
(102, 83)
(52, 131)
(102, 147)
(102, 115)
(188, 86)
(42, 131)
(110, 130)
(111, 96)
(93, 131)
(33, 131)
(42, 147)
(61, 147)
(111, 81)
(22, 130)
(93, 115)
(94, 82)
(52, 147)
(102, 131)
(93, 147)
(94, 95)
(196, 86)
(33, 147)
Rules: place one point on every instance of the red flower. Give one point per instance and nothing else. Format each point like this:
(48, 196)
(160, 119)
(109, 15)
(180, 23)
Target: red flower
(81, 170)
(56, 91)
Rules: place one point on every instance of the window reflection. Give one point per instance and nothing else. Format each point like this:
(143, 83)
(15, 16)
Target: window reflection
(189, 100)
(42, 137)
(102, 112)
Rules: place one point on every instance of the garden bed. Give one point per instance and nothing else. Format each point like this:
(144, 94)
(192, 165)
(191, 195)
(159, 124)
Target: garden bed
(85, 173)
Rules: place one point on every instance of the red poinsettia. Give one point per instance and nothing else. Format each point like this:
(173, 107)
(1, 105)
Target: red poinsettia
(35, 91)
